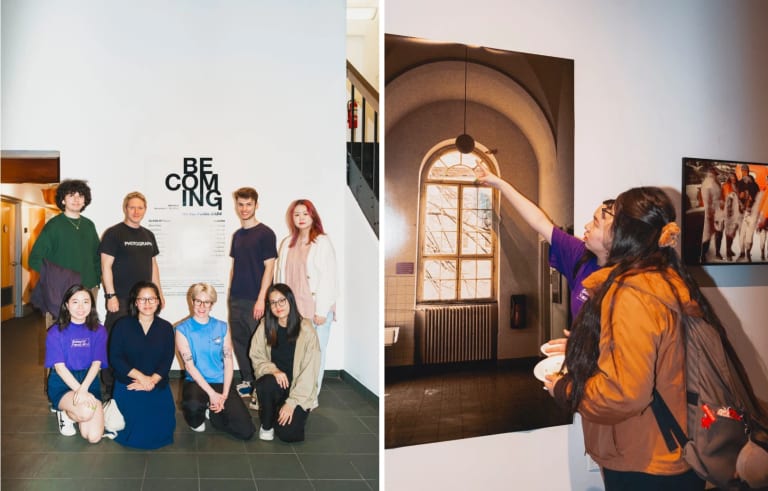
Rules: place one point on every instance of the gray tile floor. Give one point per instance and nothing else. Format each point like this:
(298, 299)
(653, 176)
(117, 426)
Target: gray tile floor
(341, 451)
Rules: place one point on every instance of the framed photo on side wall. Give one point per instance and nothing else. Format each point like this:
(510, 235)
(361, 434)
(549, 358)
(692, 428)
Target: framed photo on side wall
(725, 212)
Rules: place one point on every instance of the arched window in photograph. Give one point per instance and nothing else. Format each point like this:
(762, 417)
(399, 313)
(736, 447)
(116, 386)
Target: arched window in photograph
(457, 240)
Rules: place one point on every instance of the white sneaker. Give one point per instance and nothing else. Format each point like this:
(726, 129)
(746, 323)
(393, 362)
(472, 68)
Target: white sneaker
(267, 435)
(207, 414)
(66, 425)
(200, 428)
(244, 389)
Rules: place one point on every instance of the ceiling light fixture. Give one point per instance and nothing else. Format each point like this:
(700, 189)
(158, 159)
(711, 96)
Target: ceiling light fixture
(464, 142)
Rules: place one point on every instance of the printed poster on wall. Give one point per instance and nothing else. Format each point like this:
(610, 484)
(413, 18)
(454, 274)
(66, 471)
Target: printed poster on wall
(187, 220)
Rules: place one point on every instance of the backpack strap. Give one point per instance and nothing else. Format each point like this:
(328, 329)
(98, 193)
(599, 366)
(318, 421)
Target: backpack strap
(673, 434)
(692, 398)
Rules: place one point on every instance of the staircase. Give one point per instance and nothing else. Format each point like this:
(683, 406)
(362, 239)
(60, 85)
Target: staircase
(363, 145)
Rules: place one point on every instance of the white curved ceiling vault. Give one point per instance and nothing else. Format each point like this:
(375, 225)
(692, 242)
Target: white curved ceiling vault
(444, 81)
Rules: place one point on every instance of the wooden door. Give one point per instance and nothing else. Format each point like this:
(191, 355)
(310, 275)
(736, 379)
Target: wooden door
(9, 262)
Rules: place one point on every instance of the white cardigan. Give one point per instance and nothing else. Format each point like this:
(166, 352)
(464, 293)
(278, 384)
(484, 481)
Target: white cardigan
(321, 271)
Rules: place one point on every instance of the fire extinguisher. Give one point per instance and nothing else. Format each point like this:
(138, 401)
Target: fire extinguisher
(351, 114)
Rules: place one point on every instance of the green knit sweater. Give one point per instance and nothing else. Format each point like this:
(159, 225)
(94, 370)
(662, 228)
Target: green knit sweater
(72, 244)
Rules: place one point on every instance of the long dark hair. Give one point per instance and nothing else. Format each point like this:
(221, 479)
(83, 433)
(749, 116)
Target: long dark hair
(91, 320)
(270, 321)
(584, 259)
(640, 214)
(134, 294)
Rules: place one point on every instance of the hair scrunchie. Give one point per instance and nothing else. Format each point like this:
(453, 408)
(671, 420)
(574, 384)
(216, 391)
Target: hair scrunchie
(669, 235)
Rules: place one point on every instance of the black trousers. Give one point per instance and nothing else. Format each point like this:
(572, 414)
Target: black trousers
(242, 325)
(640, 481)
(234, 419)
(271, 399)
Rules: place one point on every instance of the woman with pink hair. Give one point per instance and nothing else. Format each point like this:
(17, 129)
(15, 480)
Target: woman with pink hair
(306, 262)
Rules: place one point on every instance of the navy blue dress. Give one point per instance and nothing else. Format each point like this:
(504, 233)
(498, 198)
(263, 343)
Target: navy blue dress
(150, 417)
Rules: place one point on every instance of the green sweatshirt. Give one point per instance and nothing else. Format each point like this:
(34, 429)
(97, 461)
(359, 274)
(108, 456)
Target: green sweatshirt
(72, 244)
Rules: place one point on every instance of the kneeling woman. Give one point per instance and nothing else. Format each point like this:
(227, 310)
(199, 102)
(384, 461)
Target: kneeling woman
(141, 351)
(205, 345)
(286, 360)
(76, 349)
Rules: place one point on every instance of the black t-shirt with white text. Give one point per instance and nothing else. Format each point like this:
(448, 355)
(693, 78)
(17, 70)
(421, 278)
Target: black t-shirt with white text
(133, 250)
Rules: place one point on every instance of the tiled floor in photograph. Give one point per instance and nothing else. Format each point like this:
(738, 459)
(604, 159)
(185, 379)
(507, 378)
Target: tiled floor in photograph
(340, 452)
(447, 403)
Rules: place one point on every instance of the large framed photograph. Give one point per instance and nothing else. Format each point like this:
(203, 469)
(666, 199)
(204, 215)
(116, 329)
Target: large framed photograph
(725, 212)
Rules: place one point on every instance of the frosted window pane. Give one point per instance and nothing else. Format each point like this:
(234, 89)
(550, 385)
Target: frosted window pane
(468, 245)
(449, 219)
(430, 291)
(485, 220)
(448, 290)
(484, 269)
(468, 289)
(469, 219)
(484, 244)
(470, 197)
(431, 243)
(483, 289)
(485, 199)
(448, 270)
(468, 269)
(432, 269)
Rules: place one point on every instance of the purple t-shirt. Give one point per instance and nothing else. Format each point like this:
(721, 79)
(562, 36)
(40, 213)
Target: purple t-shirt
(564, 253)
(76, 346)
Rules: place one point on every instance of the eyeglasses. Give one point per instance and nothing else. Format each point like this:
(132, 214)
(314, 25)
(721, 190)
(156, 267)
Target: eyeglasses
(280, 302)
(206, 303)
(147, 300)
(605, 211)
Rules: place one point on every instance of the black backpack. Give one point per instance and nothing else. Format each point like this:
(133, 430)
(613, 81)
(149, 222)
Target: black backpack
(724, 416)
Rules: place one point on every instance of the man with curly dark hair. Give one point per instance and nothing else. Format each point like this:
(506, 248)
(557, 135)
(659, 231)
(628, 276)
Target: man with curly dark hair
(69, 239)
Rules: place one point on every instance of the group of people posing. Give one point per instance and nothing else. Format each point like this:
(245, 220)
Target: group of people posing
(280, 307)
(737, 207)
(629, 290)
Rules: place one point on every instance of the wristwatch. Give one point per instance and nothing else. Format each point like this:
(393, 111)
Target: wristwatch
(109, 295)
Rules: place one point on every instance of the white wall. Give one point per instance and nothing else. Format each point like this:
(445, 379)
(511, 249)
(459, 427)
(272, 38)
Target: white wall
(363, 42)
(654, 81)
(125, 90)
(363, 343)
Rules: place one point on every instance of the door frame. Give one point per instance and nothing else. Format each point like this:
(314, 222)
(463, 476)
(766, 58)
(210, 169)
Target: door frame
(16, 246)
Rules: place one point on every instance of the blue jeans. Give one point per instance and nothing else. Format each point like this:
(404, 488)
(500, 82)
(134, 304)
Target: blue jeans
(323, 336)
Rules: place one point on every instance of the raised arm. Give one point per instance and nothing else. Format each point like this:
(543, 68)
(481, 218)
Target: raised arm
(532, 214)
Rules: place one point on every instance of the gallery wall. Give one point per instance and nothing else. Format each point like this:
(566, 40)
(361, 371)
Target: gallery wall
(654, 81)
(127, 91)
